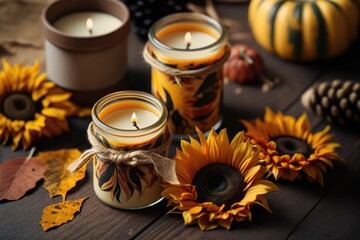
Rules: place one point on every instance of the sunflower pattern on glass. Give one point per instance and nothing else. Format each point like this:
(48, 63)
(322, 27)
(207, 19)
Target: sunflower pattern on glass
(30, 106)
(196, 102)
(219, 181)
(117, 178)
(289, 148)
(121, 179)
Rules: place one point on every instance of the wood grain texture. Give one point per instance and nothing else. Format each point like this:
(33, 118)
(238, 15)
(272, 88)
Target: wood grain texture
(338, 214)
(301, 210)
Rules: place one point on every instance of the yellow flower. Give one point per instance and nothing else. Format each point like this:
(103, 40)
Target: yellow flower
(288, 146)
(31, 106)
(219, 181)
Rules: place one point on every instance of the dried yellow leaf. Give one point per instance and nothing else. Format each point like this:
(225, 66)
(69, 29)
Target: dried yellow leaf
(60, 213)
(58, 179)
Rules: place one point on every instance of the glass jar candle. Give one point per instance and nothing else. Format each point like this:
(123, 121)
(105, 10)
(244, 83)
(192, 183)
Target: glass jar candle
(192, 45)
(128, 121)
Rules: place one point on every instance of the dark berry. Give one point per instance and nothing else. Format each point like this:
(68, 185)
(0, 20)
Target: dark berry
(144, 13)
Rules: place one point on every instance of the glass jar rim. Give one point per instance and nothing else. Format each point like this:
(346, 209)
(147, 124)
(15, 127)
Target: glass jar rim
(185, 17)
(133, 95)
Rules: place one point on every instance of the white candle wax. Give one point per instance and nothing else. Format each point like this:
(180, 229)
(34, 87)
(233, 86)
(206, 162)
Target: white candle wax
(121, 118)
(74, 24)
(173, 38)
(198, 39)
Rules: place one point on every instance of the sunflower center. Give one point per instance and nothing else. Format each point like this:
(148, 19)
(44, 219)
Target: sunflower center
(291, 145)
(19, 106)
(219, 183)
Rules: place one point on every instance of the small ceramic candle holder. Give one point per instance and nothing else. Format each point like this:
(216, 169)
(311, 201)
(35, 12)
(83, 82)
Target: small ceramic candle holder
(86, 45)
(186, 52)
(121, 184)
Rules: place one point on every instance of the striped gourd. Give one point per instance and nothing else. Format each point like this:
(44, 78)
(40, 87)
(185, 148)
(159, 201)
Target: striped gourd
(305, 29)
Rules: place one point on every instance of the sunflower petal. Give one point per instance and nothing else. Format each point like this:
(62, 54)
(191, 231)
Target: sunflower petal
(54, 112)
(47, 101)
(188, 218)
(205, 224)
(226, 223)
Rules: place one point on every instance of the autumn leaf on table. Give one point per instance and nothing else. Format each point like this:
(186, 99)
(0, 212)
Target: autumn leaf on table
(57, 214)
(19, 175)
(58, 179)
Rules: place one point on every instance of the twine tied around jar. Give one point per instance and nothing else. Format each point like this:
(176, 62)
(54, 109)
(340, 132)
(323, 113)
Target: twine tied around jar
(177, 73)
(163, 166)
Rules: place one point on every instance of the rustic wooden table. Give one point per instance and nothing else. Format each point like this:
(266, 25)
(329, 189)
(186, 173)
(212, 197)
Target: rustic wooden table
(301, 210)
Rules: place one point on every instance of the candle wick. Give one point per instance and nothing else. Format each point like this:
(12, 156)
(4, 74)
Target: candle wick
(135, 125)
(90, 31)
(188, 46)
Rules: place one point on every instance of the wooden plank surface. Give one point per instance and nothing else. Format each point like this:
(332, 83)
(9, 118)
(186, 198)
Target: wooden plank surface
(301, 210)
(338, 214)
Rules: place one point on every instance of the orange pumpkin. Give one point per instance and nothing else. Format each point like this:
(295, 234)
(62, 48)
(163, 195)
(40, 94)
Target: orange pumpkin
(243, 65)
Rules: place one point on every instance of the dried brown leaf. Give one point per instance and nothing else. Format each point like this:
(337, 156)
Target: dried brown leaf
(57, 214)
(19, 175)
(58, 179)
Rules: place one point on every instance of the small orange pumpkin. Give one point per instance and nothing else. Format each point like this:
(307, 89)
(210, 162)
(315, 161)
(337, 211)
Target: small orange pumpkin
(243, 65)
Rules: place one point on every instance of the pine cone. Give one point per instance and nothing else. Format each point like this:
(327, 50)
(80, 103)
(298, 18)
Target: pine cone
(336, 101)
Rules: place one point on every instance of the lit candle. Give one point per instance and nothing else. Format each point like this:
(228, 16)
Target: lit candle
(129, 116)
(113, 120)
(81, 23)
(183, 39)
(89, 25)
(126, 117)
(172, 42)
(86, 46)
(189, 41)
(134, 120)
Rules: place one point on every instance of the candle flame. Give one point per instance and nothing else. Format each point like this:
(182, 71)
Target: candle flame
(133, 118)
(89, 24)
(188, 38)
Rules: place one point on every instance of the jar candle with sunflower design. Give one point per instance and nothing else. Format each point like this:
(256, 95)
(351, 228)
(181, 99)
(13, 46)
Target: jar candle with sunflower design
(191, 45)
(123, 185)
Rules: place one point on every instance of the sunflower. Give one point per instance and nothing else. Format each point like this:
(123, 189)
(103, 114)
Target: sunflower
(219, 182)
(289, 147)
(31, 106)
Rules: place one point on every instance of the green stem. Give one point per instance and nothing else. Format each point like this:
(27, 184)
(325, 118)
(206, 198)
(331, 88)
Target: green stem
(245, 56)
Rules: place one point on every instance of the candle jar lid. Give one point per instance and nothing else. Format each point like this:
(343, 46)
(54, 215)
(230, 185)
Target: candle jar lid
(60, 8)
